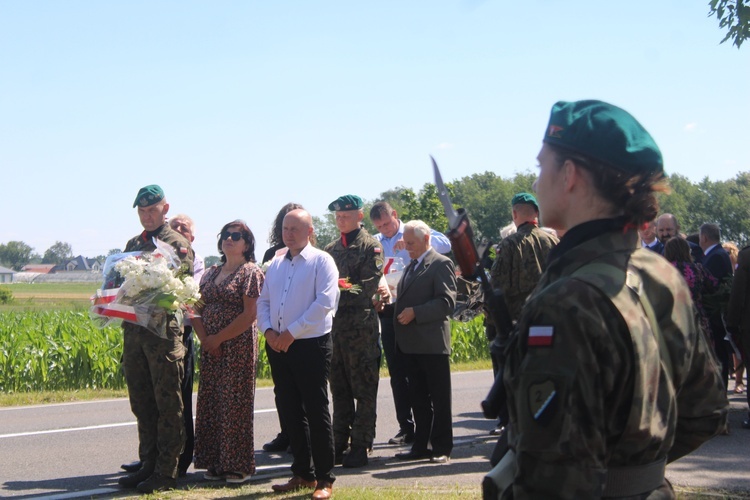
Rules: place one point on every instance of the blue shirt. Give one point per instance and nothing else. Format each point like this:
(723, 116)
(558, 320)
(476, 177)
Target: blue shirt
(438, 241)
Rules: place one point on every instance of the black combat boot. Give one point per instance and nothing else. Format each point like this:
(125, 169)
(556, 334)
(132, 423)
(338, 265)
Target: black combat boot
(157, 482)
(132, 480)
(357, 457)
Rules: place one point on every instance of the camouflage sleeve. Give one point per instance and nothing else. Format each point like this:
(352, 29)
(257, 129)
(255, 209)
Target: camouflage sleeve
(702, 403)
(372, 269)
(500, 270)
(567, 373)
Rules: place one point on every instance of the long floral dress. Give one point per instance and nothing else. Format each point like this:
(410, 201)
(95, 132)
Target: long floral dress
(224, 420)
(701, 282)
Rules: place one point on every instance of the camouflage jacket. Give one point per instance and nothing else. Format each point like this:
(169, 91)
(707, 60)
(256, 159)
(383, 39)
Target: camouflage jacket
(144, 243)
(521, 259)
(362, 262)
(589, 384)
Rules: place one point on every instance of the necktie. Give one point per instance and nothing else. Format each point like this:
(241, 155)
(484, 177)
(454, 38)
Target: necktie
(412, 267)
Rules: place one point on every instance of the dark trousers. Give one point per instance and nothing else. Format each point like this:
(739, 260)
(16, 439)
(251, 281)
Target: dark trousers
(300, 377)
(722, 348)
(187, 400)
(430, 391)
(398, 372)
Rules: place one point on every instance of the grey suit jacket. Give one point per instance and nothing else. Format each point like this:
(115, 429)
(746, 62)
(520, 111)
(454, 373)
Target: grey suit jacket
(431, 291)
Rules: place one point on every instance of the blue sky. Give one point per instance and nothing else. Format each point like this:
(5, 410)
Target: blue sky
(238, 107)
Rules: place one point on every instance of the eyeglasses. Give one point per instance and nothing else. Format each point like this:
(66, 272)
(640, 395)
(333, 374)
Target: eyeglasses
(235, 235)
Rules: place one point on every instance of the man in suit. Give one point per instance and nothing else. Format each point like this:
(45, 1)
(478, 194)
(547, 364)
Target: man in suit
(667, 226)
(426, 296)
(716, 260)
(649, 239)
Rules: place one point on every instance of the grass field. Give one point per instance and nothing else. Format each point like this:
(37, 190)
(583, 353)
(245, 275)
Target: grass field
(46, 296)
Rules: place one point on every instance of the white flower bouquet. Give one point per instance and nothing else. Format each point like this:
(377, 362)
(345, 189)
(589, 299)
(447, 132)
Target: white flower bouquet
(142, 288)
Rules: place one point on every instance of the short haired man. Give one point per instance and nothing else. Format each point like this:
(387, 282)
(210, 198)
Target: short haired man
(667, 226)
(355, 365)
(649, 239)
(153, 364)
(295, 312)
(718, 263)
(391, 236)
(426, 298)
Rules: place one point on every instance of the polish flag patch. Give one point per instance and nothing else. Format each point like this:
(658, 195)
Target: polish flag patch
(541, 336)
(377, 249)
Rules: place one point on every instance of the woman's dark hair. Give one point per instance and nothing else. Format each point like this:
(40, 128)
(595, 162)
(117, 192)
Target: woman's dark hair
(247, 236)
(275, 236)
(677, 249)
(634, 194)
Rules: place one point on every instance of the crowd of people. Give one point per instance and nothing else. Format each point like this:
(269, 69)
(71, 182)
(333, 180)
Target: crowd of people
(597, 391)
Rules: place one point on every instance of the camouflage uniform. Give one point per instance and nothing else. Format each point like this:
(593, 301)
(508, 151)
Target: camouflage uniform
(590, 386)
(356, 352)
(153, 371)
(520, 261)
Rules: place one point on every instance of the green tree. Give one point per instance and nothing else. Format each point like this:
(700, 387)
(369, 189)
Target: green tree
(325, 229)
(15, 254)
(734, 16)
(113, 251)
(58, 253)
(211, 260)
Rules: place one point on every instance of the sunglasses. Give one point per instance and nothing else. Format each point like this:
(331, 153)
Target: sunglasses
(235, 235)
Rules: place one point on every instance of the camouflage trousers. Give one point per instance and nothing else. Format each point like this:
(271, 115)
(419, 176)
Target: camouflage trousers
(355, 373)
(153, 371)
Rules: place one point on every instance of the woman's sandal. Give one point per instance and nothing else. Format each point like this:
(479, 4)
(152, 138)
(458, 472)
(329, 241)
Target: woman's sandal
(212, 475)
(236, 477)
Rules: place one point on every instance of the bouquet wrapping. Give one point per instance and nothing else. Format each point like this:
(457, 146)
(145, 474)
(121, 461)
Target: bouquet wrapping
(142, 288)
(393, 270)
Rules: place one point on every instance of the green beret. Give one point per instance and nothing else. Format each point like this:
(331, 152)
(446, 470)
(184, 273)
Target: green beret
(149, 195)
(345, 203)
(605, 133)
(524, 198)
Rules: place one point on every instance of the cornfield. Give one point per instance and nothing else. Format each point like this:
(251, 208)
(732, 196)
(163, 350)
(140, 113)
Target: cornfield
(64, 350)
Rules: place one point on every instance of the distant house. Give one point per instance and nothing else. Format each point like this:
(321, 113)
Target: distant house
(80, 263)
(6, 275)
(37, 268)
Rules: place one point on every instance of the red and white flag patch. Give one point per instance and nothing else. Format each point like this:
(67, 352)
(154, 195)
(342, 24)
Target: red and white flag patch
(541, 336)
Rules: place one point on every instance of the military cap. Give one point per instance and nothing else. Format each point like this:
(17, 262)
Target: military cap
(346, 203)
(524, 198)
(605, 133)
(149, 195)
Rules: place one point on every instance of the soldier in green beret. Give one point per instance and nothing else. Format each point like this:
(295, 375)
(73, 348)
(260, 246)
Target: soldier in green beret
(355, 362)
(607, 374)
(153, 365)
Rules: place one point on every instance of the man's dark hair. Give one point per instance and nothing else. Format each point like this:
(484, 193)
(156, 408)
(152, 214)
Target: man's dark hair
(711, 232)
(380, 210)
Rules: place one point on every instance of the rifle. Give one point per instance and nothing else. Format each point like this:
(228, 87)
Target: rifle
(465, 251)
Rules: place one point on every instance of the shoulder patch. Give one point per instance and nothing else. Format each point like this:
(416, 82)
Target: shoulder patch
(183, 250)
(542, 400)
(541, 336)
(377, 250)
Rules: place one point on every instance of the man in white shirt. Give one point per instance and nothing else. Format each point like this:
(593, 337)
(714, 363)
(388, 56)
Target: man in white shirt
(295, 312)
(391, 236)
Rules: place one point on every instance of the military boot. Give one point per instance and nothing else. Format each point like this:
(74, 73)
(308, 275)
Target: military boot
(357, 457)
(132, 480)
(157, 482)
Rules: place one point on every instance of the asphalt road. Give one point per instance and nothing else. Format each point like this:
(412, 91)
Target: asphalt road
(75, 449)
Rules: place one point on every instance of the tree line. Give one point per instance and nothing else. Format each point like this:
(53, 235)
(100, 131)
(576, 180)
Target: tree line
(486, 198)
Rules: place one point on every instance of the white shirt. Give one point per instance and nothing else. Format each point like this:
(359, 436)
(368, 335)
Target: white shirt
(300, 294)
(438, 241)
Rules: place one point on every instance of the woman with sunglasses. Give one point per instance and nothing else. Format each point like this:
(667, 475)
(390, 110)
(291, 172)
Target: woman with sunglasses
(227, 331)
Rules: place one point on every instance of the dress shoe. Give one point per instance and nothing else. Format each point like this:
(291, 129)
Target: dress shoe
(135, 478)
(157, 482)
(357, 457)
(294, 484)
(323, 490)
(402, 437)
(439, 459)
(278, 444)
(132, 466)
(746, 424)
(414, 455)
